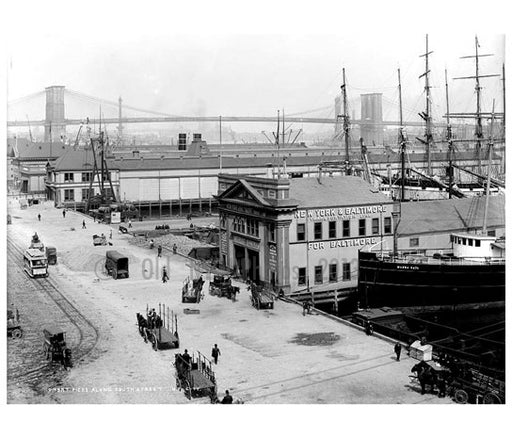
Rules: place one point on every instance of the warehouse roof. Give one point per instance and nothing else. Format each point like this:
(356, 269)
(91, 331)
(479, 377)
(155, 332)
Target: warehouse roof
(334, 191)
(81, 159)
(450, 215)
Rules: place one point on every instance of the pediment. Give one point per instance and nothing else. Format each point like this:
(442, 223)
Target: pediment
(242, 191)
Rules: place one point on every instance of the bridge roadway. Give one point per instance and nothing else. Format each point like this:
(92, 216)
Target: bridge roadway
(185, 119)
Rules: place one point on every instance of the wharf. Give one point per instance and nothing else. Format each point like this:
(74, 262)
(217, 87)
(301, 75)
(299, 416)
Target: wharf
(267, 356)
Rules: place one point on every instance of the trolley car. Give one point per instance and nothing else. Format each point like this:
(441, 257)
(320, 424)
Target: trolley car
(35, 263)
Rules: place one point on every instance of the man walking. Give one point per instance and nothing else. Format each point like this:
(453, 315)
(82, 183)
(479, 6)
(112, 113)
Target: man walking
(83, 224)
(215, 353)
(64, 213)
(398, 351)
(129, 223)
(159, 250)
(165, 277)
(227, 400)
(39, 217)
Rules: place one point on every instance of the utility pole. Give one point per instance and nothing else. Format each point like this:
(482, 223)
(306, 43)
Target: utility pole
(277, 143)
(120, 120)
(220, 142)
(346, 126)
(449, 138)
(427, 115)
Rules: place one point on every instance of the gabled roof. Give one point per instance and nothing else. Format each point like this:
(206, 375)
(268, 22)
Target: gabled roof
(334, 191)
(28, 151)
(450, 215)
(243, 187)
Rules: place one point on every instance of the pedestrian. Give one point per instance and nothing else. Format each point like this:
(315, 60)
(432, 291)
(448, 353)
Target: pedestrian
(304, 308)
(83, 224)
(227, 399)
(215, 353)
(165, 277)
(39, 217)
(159, 250)
(398, 351)
(175, 249)
(367, 328)
(110, 237)
(64, 213)
(129, 223)
(186, 357)
(191, 225)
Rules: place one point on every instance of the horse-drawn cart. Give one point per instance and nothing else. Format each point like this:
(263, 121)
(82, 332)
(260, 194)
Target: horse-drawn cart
(13, 324)
(191, 291)
(54, 346)
(476, 387)
(195, 376)
(221, 286)
(261, 298)
(160, 330)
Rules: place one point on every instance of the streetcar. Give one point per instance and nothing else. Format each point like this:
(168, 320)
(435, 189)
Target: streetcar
(35, 263)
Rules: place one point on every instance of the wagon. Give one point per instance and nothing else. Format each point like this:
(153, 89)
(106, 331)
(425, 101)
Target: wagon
(475, 387)
(195, 376)
(159, 329)
(51, 255)
(221, 286)
(13, 324)
(260, 297)
(99, 240)
(116, 264)
(191, 291)
(54, 346)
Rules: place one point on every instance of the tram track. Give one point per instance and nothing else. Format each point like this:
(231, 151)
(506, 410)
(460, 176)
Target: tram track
(88, 333)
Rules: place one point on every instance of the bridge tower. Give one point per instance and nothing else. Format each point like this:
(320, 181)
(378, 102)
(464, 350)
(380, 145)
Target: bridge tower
(371, 112)
(54, 125)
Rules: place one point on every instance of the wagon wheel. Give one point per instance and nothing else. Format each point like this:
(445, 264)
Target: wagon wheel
(154, 343)
(188, 389)
(114, 275)
(178, 384)
(17, 333)
(461, 396)
(491, 399)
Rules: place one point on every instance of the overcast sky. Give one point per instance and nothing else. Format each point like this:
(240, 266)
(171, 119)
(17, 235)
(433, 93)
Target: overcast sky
(185, 62)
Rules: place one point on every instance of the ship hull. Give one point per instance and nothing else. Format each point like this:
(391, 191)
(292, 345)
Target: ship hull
(429, 287)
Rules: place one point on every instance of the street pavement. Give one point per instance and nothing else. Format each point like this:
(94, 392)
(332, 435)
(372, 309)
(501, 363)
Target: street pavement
(267, 356)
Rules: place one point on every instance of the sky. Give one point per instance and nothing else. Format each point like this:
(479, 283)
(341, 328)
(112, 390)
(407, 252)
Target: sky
(188, 62)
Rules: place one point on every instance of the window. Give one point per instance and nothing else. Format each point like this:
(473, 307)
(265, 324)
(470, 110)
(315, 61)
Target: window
(318, 275)
(318, 230)
(68, 177)
(223, 221)
(477, 243)
(333, 272)
(387, 225)
(272, 233)
(85, 194)
(302, 276)
(332, 230)
(86, 176)
(491, 233)
(346, 228)
(238, 225)
(470, 242)
(346, 271)
(375, 225)
(362, 227)
(69, 195)
(301, 232)
(414, 241)
(464, 241)
(253, 227)
(272, 194)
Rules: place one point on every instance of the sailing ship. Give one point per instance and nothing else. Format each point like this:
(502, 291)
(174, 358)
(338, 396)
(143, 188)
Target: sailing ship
(416, 184)
(470, 276)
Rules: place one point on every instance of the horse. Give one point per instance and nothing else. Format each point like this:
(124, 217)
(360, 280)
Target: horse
(426, 376)
(143, 324)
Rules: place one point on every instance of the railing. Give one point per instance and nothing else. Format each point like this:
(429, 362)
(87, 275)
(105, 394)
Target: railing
(422, 259)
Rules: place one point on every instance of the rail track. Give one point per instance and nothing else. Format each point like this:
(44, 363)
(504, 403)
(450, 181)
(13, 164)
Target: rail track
(88, 334)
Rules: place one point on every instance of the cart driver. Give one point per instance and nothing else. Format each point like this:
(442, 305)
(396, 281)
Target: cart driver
(151, 318)
(186, 357)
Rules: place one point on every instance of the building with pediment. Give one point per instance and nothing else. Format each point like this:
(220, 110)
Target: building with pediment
(301, 235)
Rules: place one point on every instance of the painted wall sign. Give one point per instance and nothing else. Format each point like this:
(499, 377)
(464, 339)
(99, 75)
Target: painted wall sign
(341, 212)
(345, 243)
(246, 242)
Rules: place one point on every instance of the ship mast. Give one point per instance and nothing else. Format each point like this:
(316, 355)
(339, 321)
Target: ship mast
(478, 115)
(427, 115)
(449, 138)
(346, 122)
(489, 162)
(401, 141)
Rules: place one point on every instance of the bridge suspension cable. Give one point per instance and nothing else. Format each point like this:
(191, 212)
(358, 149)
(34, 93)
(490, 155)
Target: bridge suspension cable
(115, 104)
(26, 98)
